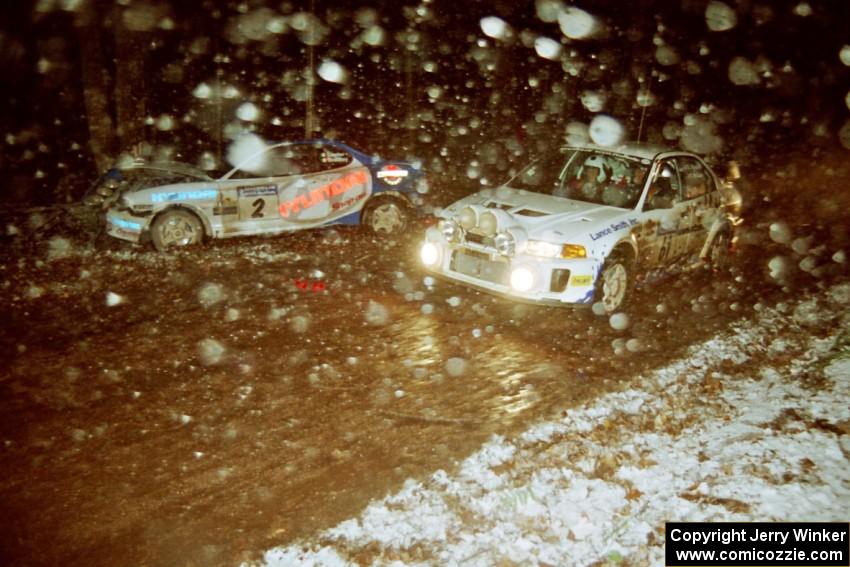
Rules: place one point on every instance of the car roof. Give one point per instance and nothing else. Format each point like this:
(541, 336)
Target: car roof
(168, 167)
(641, 150)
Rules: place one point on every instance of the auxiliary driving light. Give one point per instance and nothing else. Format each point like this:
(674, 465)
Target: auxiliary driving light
(522, 279)
(429, 254)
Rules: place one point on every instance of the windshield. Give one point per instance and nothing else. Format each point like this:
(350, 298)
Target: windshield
(585, 175)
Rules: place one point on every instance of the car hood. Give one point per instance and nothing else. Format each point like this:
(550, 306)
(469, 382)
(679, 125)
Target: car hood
(544, 216)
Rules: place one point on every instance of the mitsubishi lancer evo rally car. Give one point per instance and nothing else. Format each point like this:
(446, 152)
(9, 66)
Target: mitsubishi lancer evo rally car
(577, 225)
(284, 187)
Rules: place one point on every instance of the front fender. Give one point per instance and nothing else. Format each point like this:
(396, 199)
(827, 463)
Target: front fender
(630, 242)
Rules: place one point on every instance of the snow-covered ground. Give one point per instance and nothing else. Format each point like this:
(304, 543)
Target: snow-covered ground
(752, 425)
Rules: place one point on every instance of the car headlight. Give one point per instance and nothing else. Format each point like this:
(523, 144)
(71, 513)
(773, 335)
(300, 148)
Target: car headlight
(543, 249)
(505, 243)
(522, 278)
(450, 230)
(429, 254)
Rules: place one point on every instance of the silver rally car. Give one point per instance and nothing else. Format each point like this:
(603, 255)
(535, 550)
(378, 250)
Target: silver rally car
(577, 225)
(283, 187)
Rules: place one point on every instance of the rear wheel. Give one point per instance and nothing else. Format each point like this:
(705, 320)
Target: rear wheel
(176, 228)
(614, 282)
(386, 216)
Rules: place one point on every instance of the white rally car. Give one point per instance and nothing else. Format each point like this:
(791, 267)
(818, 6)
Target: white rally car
(283, 187)
(577, 225)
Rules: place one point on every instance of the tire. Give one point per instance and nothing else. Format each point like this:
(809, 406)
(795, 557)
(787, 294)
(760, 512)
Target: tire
(614, 283)
(717, 257)
(386, 216)
(176, 228)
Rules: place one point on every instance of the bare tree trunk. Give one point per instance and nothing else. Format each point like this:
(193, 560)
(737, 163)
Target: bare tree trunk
(130, 85)
(95, 85)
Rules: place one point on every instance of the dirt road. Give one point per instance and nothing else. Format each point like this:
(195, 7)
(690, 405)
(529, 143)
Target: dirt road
(199, 407)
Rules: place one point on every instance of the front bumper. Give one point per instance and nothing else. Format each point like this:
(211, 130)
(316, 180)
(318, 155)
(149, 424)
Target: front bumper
(556, 281)
(125, 225)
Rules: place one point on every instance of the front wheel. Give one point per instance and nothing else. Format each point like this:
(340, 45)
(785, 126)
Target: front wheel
(614, 283)
(176, 228)
(718, 253)
(386, 216)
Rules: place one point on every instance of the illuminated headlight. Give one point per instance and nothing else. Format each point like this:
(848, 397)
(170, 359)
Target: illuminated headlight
(429, 254)
(505, 243)
(522, 279)
(544, 249)
(450, 230)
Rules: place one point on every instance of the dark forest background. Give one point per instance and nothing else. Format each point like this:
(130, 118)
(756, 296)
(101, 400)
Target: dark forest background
(84, 81)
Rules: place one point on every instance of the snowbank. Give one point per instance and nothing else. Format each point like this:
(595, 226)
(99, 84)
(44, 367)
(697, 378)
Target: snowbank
(753, 424)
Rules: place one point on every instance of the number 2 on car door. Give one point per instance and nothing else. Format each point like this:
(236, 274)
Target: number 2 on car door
(258, 205)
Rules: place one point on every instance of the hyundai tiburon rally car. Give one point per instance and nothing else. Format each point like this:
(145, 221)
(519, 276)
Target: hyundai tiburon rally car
(283, 187)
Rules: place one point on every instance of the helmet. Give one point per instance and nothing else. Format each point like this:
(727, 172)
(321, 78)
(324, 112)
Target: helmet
(599, 163)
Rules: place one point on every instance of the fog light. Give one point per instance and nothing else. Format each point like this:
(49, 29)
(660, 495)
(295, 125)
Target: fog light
(468, 218)
(488, 224)
(522, 279)
(429, 254)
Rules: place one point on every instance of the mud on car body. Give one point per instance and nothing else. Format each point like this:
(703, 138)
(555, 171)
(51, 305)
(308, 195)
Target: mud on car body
(577, 225)
(285, 187)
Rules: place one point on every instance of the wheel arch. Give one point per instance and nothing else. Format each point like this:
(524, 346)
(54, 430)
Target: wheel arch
(376, 198)
(626, 247)
(202, 218)
(721, 226)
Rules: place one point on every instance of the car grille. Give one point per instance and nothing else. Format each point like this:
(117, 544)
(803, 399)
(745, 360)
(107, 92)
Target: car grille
(479, 239)
(479, 265)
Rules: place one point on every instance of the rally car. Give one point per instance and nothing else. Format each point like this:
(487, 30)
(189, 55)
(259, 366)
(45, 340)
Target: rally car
(577, 225)
(281, 188)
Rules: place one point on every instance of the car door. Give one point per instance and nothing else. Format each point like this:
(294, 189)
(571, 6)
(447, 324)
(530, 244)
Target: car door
(290, 186)
(334, 185)
(660, 238)
(700, 198)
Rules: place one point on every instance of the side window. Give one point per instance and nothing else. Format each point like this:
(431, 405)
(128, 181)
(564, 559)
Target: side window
(279, 162)
(696, 181)
(665, 190)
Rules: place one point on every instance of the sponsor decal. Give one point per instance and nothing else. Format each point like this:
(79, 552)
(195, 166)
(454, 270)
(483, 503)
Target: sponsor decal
(581, 281)
(323, 193)
(348, 202)
(613, 228)
(392, 174)
(184, 195)
(125, 224)
(334, 157)
(257, 190)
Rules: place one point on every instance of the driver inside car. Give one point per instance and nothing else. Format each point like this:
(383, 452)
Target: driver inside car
(586, 186)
